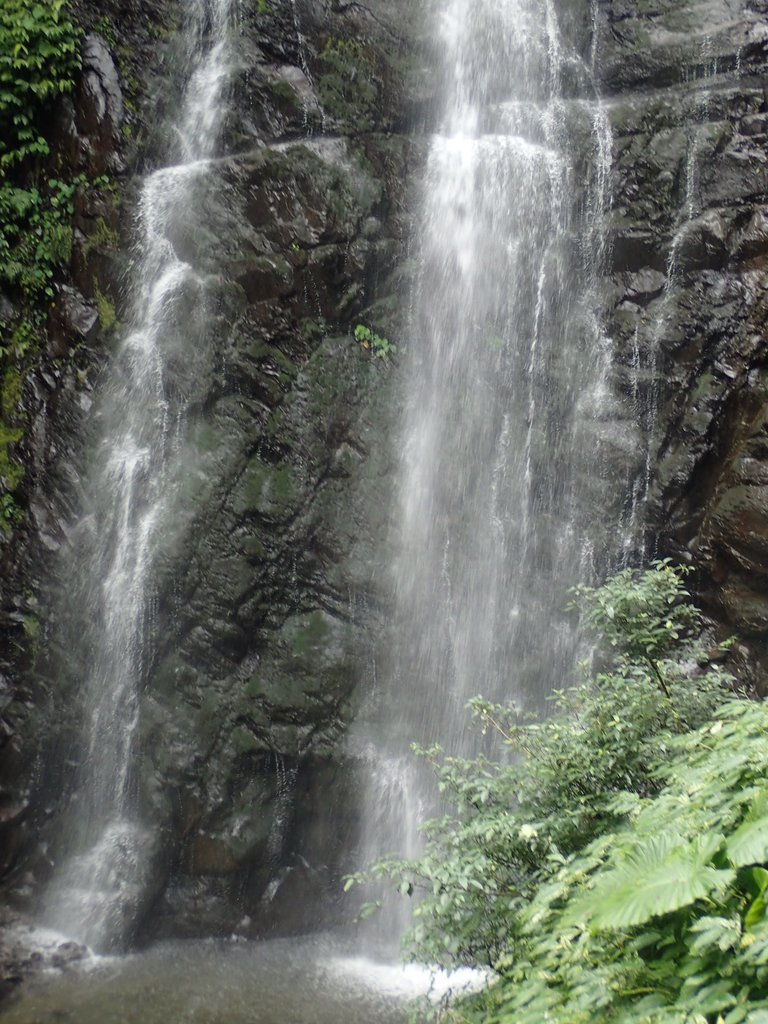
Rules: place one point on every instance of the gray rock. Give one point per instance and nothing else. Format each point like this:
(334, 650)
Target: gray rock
(101, 109)
(73, 319)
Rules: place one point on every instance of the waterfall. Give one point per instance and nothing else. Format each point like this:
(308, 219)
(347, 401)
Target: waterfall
(502, 483)
(97, 889)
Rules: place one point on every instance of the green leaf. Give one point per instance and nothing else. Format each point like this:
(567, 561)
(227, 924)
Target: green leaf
(661, 874)
(755, 914)
(749, 843)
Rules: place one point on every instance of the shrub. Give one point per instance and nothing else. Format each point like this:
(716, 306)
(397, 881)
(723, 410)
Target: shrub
(617, 869)
(38, 59)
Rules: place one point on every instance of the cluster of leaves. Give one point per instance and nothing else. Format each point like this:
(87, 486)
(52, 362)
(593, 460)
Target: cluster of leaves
(36, 237)
(39, 57)
(663, 920)
(616, 870)
(382, 348)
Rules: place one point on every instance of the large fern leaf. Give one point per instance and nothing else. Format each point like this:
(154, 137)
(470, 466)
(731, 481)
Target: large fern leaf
(749, 843)
(661, 874)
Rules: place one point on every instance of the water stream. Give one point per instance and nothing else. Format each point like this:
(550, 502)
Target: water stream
(500, 477)
(96, 892)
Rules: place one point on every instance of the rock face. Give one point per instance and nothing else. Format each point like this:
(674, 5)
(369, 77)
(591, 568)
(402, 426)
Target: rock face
(266, 598)
(684, 86)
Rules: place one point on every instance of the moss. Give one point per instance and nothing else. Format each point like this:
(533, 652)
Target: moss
(386, 311)
(706, 385)
(349, 87)
(106, 310)
(10, 513)
(10, 395)
(128, 80)
(31, 626)
(106, 30)
(11, 473)
(265, 489)
(286, 92)
(254, 687)
(207, 438)
(308, 634)
(314, 328)
(102, 238)
(252, 547)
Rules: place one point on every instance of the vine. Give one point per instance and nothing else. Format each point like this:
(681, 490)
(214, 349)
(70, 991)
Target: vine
(39, 58)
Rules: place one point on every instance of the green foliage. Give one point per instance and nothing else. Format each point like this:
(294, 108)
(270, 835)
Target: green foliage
(106, 30)
(106, 310)
(661, 873)
(640, 615)
(380, 347)
(617, 870)
(101, 238)
(38, 60)
(349, 85)
(660, 915)
(10, 513)
(35, 237)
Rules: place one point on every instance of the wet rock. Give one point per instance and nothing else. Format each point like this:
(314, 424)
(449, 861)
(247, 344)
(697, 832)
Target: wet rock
(100, 111)
(90, 121)
(25, 952)
(632, 249)
(266, 579)
(645, 285)
(208, 856)
(753, 240)
(73, 319)
(685, 308)
(267, 587)
(703, 243)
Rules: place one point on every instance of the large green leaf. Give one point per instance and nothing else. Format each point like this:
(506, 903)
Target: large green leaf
(661, 874)
(749, 843)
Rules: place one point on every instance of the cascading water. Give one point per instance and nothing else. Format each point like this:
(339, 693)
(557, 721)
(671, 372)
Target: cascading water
(95, 893)
(504, 363)
(506, 368)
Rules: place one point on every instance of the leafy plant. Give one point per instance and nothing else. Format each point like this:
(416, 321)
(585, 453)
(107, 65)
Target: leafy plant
(617, 870)
(380, 347)
(10, 513)
(36, 237)
(38, 59)
(640, 615)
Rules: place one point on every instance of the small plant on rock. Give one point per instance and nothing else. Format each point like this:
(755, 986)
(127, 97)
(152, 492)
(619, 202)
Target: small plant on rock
(382, 348)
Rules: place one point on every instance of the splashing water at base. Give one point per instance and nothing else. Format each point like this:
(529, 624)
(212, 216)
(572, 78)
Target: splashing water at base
(288, 981)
